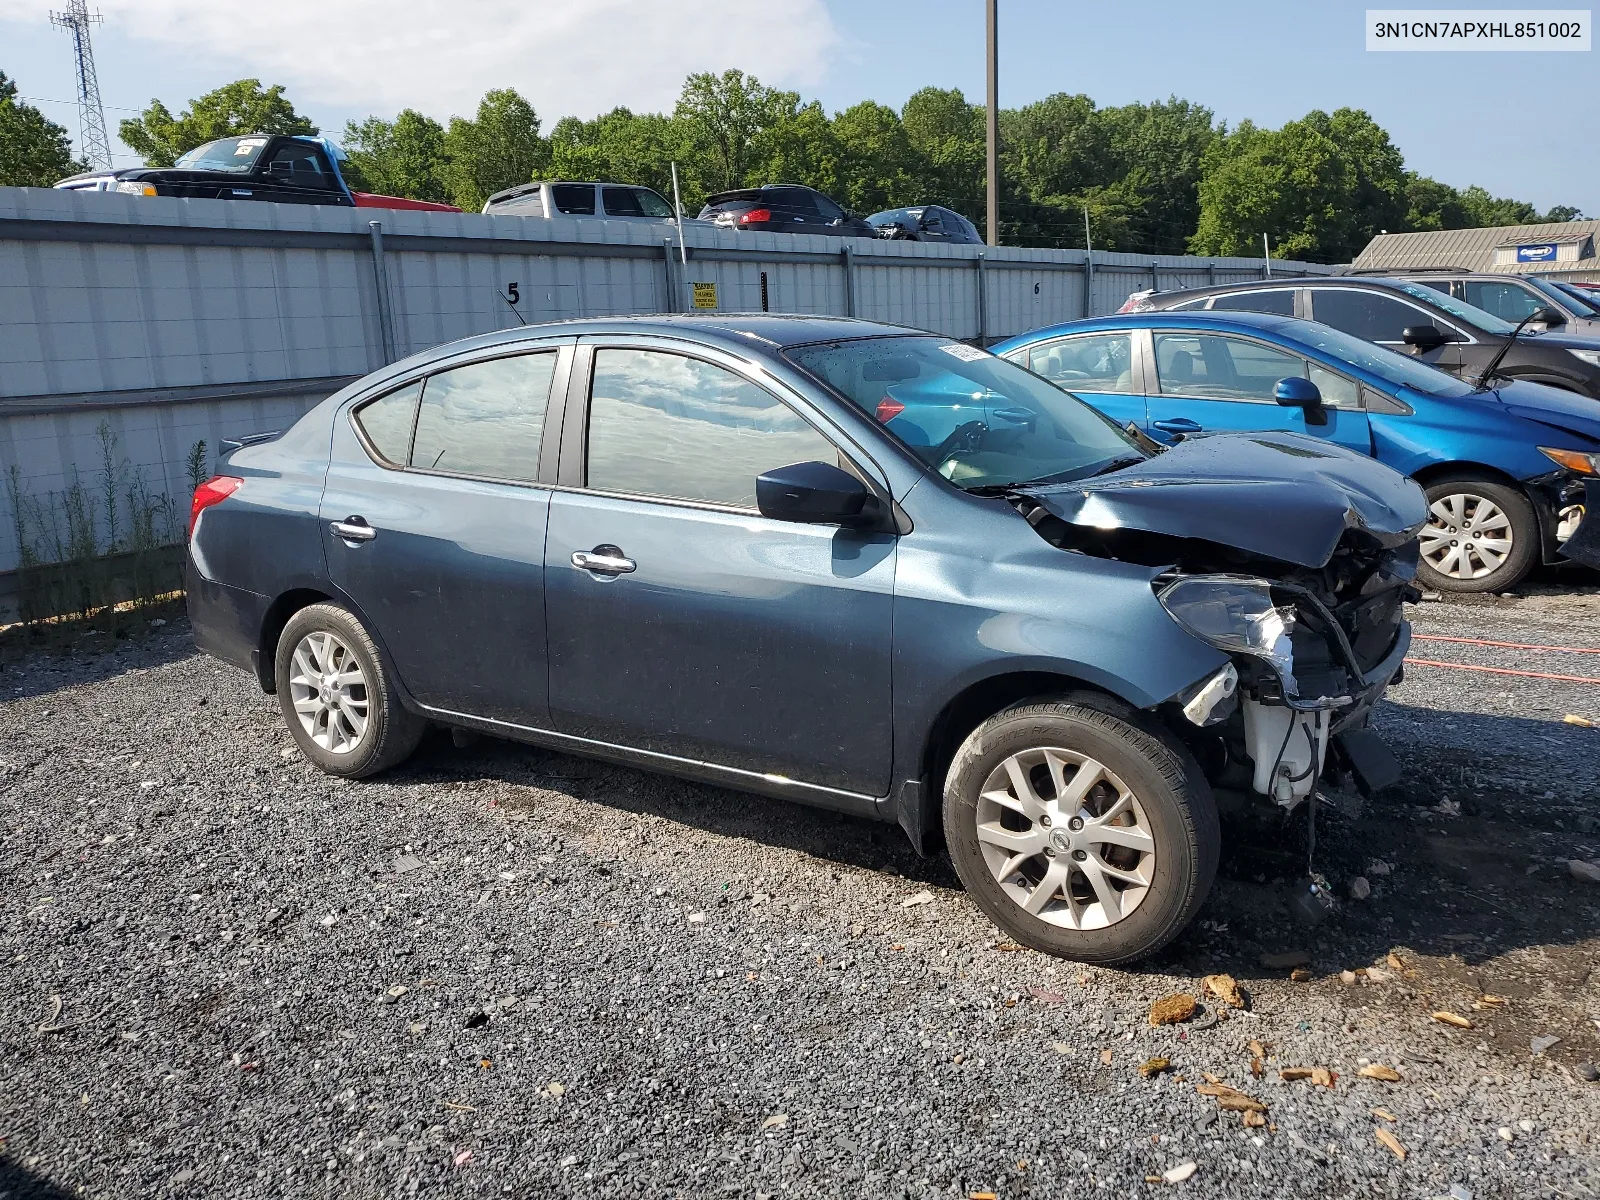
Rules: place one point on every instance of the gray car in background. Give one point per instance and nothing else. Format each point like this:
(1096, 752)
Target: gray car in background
(1513, 297)
(598, 201)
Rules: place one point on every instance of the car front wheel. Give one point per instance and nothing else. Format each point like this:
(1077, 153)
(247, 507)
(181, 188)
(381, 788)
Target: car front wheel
(1480, 536)
(338, 697)
(1081, 830)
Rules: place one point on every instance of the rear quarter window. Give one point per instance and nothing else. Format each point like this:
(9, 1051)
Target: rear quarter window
(388, 421)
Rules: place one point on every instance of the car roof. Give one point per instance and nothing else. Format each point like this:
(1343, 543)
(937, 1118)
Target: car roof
(1279, 281)
(1229, 321)
(769, 332)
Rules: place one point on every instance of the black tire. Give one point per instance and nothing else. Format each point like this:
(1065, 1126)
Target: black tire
(392, 731)
(1177, 804)
(1477, 491)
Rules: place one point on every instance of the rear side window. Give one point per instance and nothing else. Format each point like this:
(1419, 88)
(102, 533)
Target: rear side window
(573, 199)
(1510, 301)
(792, 199)
(388, 421)
(621, 202)
(667, 425)
(485, 418)
(1279, 301)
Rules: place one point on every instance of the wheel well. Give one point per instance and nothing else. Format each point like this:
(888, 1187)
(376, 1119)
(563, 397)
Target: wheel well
(970, 708)
(1456, 470)
(284, 607)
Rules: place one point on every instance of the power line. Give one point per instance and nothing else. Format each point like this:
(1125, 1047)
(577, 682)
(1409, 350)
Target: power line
(47, 100)
(91, 113)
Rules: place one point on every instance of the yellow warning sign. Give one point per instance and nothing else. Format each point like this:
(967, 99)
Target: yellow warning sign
(705, 295)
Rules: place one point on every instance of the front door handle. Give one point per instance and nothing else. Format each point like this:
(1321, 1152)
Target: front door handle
(604, 560)
(1177, 425)
(354, 529)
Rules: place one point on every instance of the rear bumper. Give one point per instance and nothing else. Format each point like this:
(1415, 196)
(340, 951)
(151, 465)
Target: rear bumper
(226, 621)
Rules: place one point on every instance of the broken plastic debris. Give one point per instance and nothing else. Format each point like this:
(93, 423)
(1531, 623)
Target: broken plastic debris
(1360, 889)
(1575, 719)
(776, 1121)
(1152, 1067)
(1180, 1172)
(919, 898)
(1540, 1044)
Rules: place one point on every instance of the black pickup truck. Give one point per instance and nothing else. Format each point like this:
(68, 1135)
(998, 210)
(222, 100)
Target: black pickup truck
(285, 169)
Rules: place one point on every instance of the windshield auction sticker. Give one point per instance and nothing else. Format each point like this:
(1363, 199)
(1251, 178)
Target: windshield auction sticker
(1496, 29)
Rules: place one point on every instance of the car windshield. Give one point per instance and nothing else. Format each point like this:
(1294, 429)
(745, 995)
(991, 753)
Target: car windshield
(236, 154)
(1485, 321)
(1388, 365)
(978, 420)
(1584, 306)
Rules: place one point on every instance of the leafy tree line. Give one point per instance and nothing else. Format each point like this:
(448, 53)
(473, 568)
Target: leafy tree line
(1163, 177)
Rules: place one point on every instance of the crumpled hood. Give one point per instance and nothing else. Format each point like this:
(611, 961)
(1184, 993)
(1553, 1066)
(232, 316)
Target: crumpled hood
(1279, 495)
(1551, 406)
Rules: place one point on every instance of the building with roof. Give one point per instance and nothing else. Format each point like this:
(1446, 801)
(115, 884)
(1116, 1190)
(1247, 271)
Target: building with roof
(1560, 250)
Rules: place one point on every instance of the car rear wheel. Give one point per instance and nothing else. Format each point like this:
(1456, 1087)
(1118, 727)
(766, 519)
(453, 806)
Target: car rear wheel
(1480, 536)
(338, 697)
(1081, 831)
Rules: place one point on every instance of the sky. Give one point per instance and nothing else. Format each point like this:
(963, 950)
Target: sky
(1516, 123)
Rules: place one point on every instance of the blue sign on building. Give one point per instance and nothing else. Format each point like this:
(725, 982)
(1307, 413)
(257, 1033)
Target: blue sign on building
(1543, 252)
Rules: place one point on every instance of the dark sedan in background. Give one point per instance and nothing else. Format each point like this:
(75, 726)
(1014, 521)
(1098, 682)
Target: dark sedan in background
(695, 545)
(1411, 317)
(783, 208)
(926, 223)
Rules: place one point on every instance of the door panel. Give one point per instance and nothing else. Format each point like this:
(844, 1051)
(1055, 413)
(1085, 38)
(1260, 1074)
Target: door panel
(451, 574)
(753, 644)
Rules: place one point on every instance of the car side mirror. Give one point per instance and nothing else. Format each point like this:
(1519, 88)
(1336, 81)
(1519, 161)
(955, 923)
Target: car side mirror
(814, 493)
(1423, 337)
(1549, 317)
(1296, 392)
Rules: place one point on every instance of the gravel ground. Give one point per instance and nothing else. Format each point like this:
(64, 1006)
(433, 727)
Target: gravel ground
(500, 971)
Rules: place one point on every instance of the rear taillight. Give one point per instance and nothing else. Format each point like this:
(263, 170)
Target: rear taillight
(888, 409)
(213, 491)
(756, 216)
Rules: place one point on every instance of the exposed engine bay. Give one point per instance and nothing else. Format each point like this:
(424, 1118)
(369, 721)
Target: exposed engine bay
(1315, 633)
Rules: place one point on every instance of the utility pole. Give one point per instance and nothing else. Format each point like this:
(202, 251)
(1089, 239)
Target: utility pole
(95, 145)
(993, 65)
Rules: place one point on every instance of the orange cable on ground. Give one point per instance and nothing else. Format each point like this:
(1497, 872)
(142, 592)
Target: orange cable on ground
(1427, 662)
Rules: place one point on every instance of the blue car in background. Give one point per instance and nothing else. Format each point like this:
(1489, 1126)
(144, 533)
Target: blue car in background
(1509, 471)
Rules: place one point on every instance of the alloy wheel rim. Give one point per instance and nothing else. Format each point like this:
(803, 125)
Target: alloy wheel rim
(1067, 841)
(1467, 536)
(329, 691)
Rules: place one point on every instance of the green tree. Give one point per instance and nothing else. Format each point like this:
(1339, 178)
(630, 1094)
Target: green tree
(722, 118)
(402, 157)
(1156, 151)
(798, 146)
(621, 145)
(34, 150)
(948, 135)
(243, 106)
(877, 167)
(496, 149)
(1484, 209)
(1432, 205)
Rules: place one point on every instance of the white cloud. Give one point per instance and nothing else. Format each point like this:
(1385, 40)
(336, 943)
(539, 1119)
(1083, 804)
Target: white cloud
(575, 57)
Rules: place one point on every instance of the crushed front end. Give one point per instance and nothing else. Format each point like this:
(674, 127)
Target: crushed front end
(1311, 651)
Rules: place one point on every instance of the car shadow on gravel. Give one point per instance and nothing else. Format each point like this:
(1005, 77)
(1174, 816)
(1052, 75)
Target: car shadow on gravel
(844, 840)
(19, 1183)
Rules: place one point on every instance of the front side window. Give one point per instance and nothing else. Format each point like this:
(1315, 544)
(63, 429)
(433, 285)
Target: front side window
(1212, 366)
(663, 424)
(1337, 391)
(796, 200)
(1367, 315)
(652, 204)
(485, 418)
(573, 199)
(1279, 301)
(1510, 301)
(1096, 362)
(978, 420)
(300, 164)
(621, 202)
(829, 210)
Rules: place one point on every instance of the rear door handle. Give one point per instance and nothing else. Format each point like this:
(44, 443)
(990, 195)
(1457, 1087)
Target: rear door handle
(1177, 425)
(354, 529)
(604, 560)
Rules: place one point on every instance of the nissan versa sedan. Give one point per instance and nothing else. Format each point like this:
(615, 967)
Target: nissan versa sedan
(694, 545)
(1510, 470)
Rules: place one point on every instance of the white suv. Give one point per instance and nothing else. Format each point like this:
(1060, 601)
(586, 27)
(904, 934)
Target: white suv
(599, 201)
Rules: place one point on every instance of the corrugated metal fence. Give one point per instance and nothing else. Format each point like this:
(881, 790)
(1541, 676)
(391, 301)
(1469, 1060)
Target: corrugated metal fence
(147, 325)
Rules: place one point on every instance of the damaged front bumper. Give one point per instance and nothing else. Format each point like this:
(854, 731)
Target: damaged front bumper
(1582, 544)
(1278, 720)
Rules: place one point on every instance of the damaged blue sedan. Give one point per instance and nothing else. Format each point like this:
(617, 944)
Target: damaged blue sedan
(701, 545)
